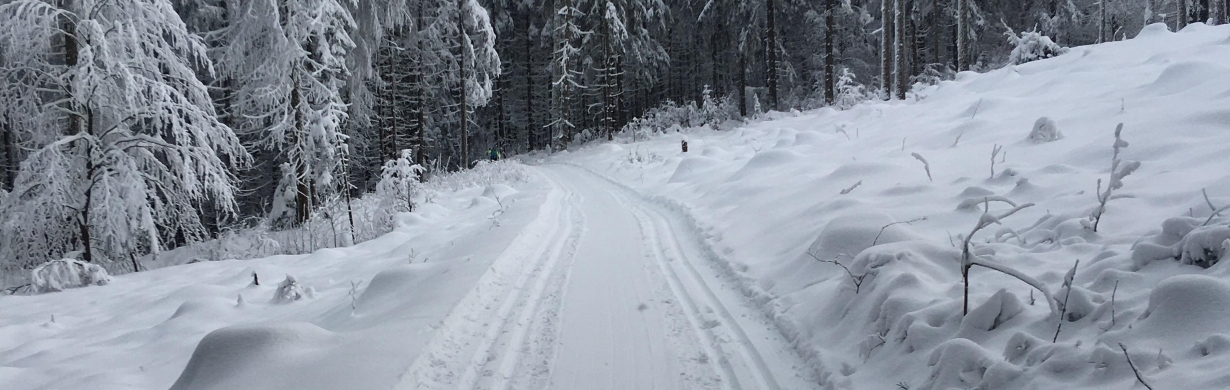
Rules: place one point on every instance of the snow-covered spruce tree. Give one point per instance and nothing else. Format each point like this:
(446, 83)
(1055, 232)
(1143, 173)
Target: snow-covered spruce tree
(287, 59)
(400, 181)
(126, 143)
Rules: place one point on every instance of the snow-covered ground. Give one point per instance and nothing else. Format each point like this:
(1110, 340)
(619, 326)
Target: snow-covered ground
(141, 330)
(767, 194)
(801, 251)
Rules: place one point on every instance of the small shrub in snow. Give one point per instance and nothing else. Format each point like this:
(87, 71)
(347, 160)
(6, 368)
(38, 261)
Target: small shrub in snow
(969, 259)
(288, 291)
(57, 275)
(1045, 130)
(849, 92)
(1031, 46)
(1118, 171)
(400, 181)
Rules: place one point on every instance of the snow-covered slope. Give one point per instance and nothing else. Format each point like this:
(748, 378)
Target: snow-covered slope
(775, 196)
(205, 326)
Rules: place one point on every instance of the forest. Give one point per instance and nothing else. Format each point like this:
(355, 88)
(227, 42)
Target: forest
(128, 127)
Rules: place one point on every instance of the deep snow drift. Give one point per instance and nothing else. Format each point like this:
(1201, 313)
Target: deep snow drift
(782, 199)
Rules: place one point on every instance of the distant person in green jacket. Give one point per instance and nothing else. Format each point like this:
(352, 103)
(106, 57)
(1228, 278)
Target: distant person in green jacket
(493, 154)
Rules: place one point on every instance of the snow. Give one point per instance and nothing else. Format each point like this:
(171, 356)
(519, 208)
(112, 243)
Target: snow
(800, 250)
(770, 194)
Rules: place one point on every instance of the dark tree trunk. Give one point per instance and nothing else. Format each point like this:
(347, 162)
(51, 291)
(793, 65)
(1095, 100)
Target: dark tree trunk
(886, 48)
(771, 43)
(830, 52)
(742, 87)
(461, 69)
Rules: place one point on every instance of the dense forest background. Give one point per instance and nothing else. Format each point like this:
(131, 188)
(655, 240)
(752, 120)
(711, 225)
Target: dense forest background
(130, 126)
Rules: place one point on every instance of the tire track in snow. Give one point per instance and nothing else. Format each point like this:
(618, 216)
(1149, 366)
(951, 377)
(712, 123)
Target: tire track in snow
(749, 368)
(477, 323)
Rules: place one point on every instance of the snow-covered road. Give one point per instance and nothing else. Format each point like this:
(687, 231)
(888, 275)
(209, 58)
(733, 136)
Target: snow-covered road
(615, 293)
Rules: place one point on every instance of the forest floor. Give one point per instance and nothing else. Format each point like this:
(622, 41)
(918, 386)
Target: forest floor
(795, 251)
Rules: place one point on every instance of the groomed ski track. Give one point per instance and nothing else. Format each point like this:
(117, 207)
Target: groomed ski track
(605, 290)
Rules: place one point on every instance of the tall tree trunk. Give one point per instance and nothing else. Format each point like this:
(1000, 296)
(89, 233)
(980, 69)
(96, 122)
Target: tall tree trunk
(8, 141)
(1183, 15)
(830, 52)
(530, 129)
(771, 42)
(461, 69)
(886, 48)
(1101, 21)
(963, 46)
(1217, 12)
(901, 72)
(303, 193)
(742, 84)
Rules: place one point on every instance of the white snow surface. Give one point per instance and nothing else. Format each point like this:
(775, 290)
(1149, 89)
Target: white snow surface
(751, 262)
(764, 195)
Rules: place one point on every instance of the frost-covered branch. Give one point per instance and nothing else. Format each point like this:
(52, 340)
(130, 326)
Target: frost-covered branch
(968, 259)
(926, 165)
(1118, 170)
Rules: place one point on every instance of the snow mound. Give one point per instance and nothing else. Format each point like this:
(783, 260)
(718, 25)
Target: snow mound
(960, 364)
(57, 275)
(498, 191)
(388, 287)
(1181, 311)
(1184, 75)
(846, 236)
(1001, 308)
(767, 162)
(692, 168)
(1045, 130)
(240, 357)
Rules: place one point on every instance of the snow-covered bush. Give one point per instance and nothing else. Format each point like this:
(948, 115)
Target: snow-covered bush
(400, 181)
(289, 290)
(1204, 246)
(1031, 46)
(484, 173)
(710, 111)
(57, 275)
(932, 74)
(849, 91)
(1045, 130)
(244, 243)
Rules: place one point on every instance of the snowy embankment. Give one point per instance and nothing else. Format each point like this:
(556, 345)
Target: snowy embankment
(365, 311)
(848, 225)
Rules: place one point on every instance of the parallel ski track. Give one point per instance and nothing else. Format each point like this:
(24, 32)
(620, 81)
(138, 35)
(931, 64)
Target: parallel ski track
(545, 241)
(691, 290)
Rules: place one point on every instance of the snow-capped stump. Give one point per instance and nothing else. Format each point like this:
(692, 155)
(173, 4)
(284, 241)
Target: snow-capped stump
(1045, 130)
(289, 290)
(57, 275)
(1205, 246)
